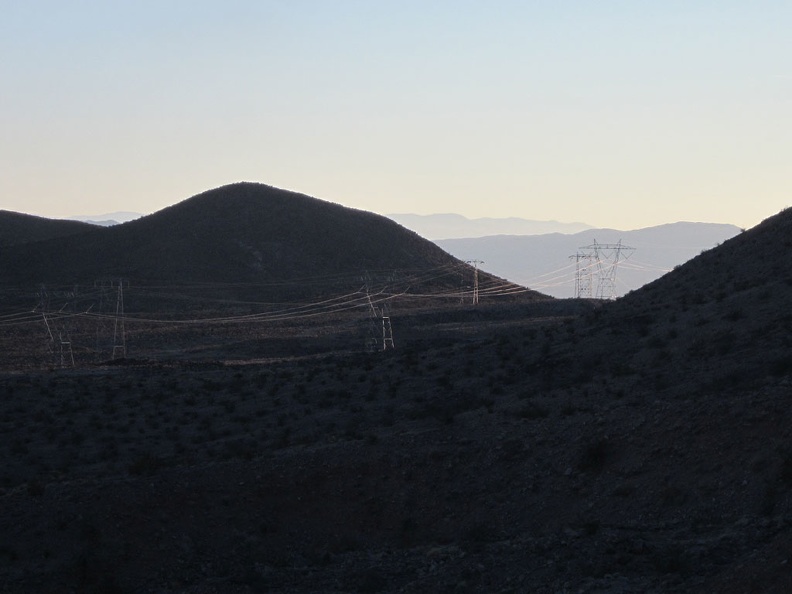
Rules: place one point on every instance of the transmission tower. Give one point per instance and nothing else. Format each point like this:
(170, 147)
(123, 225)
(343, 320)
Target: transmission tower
(65, 354)
(102, 325)
(119, 333)
(43, 305)
(604, 258)
(387, 329)
(379, 324)
(475, 279)
(583, 275)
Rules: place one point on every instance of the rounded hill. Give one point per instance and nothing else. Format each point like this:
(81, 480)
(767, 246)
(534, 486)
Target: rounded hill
(243, 233)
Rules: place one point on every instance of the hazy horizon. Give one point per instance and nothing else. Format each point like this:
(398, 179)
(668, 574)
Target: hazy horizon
(132, 215)
(615, 114)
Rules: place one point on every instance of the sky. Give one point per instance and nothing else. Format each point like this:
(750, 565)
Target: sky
(620, 114)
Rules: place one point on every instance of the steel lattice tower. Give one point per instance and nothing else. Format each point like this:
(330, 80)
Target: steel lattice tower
(475, 279)
(603, 258)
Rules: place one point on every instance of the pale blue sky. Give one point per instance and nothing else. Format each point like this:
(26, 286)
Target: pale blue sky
(622, 114)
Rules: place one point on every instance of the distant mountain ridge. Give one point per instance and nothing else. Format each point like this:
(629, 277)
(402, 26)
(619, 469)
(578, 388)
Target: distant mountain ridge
(109, 219)
(455, 226)
(542, 262)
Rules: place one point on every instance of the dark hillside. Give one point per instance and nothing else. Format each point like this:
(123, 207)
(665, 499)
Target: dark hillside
(18, 229)
(758, 257)
(241, 233)
(722, 318)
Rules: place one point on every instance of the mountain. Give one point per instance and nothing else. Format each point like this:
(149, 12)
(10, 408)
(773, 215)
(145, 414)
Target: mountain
(18, 229)
(241, 234)
(543, 262)
(109, 219)
(447, 226)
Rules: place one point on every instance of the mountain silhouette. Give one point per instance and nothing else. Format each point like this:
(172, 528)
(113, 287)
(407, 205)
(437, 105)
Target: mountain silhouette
(455, 226)
(243, 233)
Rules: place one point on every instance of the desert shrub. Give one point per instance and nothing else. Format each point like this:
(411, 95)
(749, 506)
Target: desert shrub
(35, 488)
(532, 410)
(511, 449)
(145, 464)
(369, 581)
(671, 559)
(672, 495)
(701, 321)
(769, 499)
(352, 428)
(621, 369)
(244, 448)
(734, 315)
(593, 456)
(724, 343)
(624, 490)
(568, 409)
(663, 355)
(388, 417)
(446, 408)
(591, 527)
(18, 447)
(781, 366)
(283, 438)
(476, 536)
(785, 472)
(408, 532)
(445, 380)
(9, 554)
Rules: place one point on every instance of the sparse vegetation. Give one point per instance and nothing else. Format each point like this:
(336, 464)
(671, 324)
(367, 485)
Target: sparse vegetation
(640, 445)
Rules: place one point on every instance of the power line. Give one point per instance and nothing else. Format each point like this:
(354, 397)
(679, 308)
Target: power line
(68, 311)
